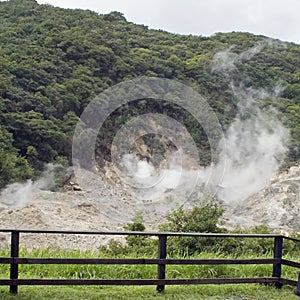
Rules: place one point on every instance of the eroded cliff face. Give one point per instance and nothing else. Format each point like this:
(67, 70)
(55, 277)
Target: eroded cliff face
(277, 205)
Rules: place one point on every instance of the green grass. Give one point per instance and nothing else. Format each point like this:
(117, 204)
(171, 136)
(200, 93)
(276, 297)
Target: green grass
(229, 292)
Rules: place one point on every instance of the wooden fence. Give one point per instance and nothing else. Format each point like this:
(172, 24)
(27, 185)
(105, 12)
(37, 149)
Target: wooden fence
(161, 261)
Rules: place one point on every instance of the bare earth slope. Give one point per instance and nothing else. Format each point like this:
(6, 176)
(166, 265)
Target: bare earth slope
(103, 206)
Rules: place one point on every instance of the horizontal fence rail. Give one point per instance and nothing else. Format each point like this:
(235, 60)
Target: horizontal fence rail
(139, 261)
(161, 261)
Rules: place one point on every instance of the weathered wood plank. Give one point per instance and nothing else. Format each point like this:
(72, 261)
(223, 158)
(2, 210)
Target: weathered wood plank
(143, 233)
(290, 263)
(141, 261)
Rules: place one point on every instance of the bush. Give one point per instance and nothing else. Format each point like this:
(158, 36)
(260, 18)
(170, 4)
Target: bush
(138, 244)
(201, 218)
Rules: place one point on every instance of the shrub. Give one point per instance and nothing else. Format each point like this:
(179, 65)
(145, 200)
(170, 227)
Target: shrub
(201, 218)
(139, 244)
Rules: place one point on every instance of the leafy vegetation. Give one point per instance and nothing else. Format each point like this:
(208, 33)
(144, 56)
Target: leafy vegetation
(54, 61)
(201, 218)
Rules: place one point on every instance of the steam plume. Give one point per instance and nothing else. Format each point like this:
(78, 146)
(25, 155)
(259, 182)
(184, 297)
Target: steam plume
(256, 144)
(20, 194)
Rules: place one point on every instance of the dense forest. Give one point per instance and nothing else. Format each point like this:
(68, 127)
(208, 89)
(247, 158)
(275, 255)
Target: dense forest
(54, 61)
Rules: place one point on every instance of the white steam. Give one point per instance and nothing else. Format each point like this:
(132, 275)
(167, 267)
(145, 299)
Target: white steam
(20, 194)
(256, 144)
(225, 61)
(17, 194)
(172, 180)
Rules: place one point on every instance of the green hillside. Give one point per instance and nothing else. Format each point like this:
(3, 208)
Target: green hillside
(54, 61)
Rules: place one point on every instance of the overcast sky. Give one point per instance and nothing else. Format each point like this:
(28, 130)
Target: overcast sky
(273, 18)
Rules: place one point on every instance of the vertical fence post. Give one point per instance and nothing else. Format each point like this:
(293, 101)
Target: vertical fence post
(297, 289)
(162, 253)
(278, 244)
(14, 252)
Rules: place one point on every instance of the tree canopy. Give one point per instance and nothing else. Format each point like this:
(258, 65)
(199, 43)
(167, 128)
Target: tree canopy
(54, 61)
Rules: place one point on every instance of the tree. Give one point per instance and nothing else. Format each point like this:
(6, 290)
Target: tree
(13, 167)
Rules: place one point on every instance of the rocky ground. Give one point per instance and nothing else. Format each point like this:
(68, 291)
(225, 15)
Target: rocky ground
(101, 204)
